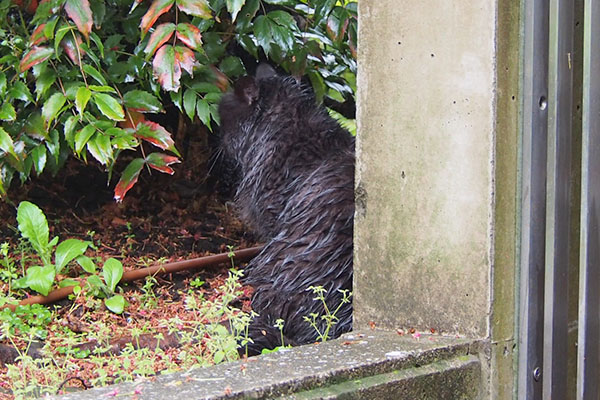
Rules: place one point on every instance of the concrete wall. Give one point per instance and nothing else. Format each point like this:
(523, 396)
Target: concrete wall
(425, 201)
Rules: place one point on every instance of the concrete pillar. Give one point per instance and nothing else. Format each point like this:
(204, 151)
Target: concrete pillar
(425, 189)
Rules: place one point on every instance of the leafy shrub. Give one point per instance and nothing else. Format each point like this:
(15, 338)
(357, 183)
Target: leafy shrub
(87, 77)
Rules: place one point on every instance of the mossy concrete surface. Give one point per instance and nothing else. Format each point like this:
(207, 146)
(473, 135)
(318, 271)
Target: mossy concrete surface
(367, 365)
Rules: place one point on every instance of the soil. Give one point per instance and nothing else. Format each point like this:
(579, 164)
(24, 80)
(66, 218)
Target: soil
(161, 219)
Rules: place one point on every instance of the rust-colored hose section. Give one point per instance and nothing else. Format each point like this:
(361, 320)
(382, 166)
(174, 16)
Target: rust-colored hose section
(128, 276)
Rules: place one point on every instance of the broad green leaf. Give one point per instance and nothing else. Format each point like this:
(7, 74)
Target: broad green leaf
(234, 7)
(128, 178)
(6, 143)
(157, 135)
(158, 8)
(50, 27)
(35, 56)
(203, 111)
(81, 98)
(112, 271)
(34, 227)
(189, 35)
(102, 89)
(197, 8)
(323, 9)
(161, 34)
(82, 137)
(115, 303)
(20, 91)
(262, 32)
(95, 282)
(142, 101)
(98, 12)
(100, 148)
(38, 155)
(161, 162)
(41, 279)
(87, 264)
(80, 12)
(7, 112)
(68, 251)
(44, 81)
(52, 106)
(69, 282)
(69, 131)
(109, 106)
(2, 83)
(244, 20)
(189, 103)
(166, 70)
(93, 72)
(232, 66)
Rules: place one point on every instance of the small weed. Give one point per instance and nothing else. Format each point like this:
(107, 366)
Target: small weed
(329, 317)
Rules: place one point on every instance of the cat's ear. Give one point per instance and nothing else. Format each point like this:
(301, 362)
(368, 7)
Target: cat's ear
(264, 71)
(246, 90)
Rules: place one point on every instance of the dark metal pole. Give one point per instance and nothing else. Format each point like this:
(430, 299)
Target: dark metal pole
(533, 198)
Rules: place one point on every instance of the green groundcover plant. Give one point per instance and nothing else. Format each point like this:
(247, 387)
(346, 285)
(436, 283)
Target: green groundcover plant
(87, 78)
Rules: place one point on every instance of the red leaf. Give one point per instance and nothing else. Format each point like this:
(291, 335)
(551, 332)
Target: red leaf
(70, 47)
(38, 36)
(128, 178)
(132, 119)
(81, 13)
(189, 35)
(157, 135)
(158, 8)
(161, 34)
(161, 162)
(186, 59)
(198, 8)
(166, 69)
(35, 56)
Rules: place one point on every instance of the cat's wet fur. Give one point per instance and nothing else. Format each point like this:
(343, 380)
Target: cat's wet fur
(296, 192)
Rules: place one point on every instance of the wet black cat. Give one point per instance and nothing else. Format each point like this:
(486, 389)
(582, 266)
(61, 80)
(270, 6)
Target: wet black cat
(296, 192)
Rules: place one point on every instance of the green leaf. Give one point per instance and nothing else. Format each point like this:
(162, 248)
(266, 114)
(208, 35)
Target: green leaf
(95, 282)
(69, 130)
(80, 12)
(244, 20)
(2, 83)
(128, 178)
(115, 303)
(52, 106)
(112, 271)
(6, 143)
(234, 7)
(69, 282)
(100, 148)
(34, 227)
(189, 103)
(21, 92)
(38, 155)
(82, 137)
(87, 264)
(45, 80)
(93, 72)
(197, 8)
(41, 279)
(109, 106)
(98, 12)
(68, 251)
(203, 111)
(323, 9)
(81, 98)
(7, 112)
(262, 32)
(161, 34)
(102, 89)
(232, 66)
(139, 100)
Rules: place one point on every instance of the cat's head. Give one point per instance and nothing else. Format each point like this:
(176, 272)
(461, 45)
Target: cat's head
(240, 107)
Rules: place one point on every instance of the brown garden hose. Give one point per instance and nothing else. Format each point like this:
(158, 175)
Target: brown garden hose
(129, 276)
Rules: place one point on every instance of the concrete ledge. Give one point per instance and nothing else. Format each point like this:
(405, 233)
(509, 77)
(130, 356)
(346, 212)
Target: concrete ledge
(369, 365)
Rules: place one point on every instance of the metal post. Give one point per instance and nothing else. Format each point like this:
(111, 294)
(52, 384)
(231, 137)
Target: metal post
(533, 198)
(560, 97)
(588, 357)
